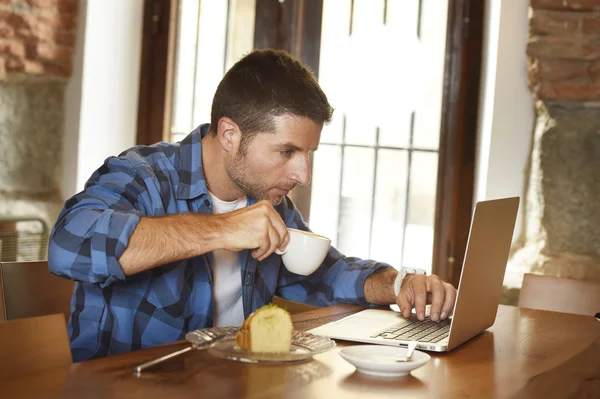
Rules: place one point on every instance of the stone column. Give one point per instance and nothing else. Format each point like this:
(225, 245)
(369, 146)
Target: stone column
(561, 232)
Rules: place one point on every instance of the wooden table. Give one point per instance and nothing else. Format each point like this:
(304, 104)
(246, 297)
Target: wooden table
(526, 354)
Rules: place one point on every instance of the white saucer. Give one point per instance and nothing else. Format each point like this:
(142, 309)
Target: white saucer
(379, 360)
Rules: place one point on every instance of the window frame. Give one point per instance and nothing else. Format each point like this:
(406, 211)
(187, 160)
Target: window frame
(284, 25)
(458, 137)
(159, 34)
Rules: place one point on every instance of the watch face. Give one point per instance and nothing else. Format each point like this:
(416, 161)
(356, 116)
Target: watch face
(412, 270)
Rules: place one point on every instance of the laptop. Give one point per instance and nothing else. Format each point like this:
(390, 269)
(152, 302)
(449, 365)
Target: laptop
(477, 299)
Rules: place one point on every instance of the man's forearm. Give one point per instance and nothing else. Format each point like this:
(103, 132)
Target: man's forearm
(157, 241)
(379, 287)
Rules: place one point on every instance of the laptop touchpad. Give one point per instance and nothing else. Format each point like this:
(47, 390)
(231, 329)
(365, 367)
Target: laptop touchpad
(364, 322)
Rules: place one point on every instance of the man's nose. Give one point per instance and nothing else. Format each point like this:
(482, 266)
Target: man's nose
(301, 173)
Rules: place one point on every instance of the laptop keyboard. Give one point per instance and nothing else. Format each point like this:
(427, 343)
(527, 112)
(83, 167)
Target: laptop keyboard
(422, 331)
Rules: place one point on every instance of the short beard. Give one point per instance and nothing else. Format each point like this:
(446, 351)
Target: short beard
(237, 171)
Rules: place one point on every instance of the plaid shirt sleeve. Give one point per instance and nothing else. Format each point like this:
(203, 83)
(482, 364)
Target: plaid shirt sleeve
(94, 227)
(339, 279)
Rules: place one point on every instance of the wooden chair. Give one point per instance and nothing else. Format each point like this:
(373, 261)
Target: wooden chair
(560, 295)
(292, 307)
(28, 289)
(33, 344)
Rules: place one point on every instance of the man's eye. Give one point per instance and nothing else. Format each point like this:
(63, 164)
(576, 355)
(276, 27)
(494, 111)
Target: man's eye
(286, 153)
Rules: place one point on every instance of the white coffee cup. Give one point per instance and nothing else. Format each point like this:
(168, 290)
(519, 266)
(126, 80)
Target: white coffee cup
(305, 252)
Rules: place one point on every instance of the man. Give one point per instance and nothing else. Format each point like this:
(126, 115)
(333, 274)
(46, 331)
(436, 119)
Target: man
(170, 238)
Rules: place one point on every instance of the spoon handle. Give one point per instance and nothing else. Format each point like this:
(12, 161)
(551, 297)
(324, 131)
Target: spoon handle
(411, 348)
(141, 367)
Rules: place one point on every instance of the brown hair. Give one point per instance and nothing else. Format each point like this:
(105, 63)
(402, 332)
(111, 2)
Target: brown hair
(264, 84)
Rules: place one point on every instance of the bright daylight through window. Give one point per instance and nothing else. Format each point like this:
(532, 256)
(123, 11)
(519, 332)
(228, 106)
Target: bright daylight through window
(375, 173)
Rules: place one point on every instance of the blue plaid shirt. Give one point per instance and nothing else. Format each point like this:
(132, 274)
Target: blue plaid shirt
(114, 313)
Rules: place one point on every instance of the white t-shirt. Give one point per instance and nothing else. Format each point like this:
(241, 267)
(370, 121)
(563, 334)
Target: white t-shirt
(227, 286)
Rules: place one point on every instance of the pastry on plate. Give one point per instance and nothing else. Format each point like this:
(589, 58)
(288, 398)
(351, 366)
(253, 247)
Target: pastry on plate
(267, 330)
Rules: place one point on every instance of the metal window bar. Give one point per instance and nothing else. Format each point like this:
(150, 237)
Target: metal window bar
(342, 150)
(408, 170)
(410, 150)
(227, 33)
(381, 147)
(376, 162)
(343, 147)
(195, 69)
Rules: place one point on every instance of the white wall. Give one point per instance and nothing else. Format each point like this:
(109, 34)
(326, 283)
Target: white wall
(101, 98)
(506, 105)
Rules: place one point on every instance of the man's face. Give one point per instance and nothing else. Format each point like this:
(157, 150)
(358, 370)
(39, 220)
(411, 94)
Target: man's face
(274, 163)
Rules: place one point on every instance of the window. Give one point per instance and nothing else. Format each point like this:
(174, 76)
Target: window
(415, 172)
(378, 176)
(211, 37)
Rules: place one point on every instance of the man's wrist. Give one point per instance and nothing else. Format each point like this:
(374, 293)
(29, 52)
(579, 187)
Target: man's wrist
(378, 288)
(402, 273)
(215, 232)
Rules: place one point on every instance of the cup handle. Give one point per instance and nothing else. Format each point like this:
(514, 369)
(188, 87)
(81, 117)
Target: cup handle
(278, 252)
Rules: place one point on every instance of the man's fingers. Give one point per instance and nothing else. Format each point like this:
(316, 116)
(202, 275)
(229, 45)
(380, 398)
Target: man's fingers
(264, 246)
(448, 301)
(274, 241)
(418, 290)
(285, 241)
(270, 230)
(419, 286)
(404, 304)
(437, 296)
(279, 226)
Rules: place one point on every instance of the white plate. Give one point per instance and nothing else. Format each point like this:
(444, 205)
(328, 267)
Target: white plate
(380, 361)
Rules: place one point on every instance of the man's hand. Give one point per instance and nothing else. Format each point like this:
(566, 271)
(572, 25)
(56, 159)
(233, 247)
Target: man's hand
(258, 227)
(418, 290)
(160, 240)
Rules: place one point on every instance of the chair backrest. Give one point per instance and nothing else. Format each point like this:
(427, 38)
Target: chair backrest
(33, 344)
(292, 307)
(28, 289)
(560, 295)
(2, 304)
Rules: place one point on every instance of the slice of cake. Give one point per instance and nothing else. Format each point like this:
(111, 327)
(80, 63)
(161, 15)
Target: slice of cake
(267, 330)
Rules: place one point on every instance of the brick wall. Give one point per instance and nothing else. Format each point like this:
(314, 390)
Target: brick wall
(37, 37)
(564, 49)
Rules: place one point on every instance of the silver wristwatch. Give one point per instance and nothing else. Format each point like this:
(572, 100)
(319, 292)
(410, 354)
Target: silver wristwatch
(402, 273)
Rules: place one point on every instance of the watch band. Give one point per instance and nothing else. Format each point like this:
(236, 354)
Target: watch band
(402, 273)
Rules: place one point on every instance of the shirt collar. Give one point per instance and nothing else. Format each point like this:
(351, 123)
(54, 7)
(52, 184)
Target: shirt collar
(192, 182)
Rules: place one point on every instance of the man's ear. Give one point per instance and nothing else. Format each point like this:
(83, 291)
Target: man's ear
(229, 134)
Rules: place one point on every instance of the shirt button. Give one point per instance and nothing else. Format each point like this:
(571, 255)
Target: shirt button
(247, 279)
(207, 202)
